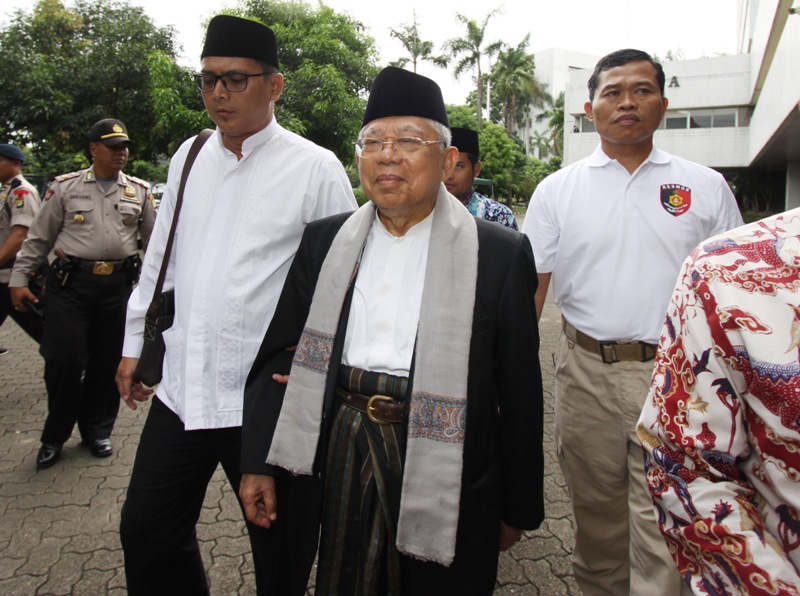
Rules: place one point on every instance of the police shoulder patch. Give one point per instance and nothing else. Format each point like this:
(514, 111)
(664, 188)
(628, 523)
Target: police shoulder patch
(139, 181)
(70, 176)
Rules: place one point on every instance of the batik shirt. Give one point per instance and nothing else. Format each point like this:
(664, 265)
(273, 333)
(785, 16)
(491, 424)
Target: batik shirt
(490, 210)
(721, 426)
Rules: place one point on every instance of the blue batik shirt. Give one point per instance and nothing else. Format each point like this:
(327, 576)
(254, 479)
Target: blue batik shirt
(489, 209)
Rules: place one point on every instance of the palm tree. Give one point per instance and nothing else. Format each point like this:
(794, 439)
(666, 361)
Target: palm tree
(541, 143)
(554, 114)
(418, 49)
(516, 85)
(470, 50)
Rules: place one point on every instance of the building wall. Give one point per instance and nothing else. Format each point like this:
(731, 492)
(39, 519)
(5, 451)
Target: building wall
(714, 147)
(780, 94)
(704, 83)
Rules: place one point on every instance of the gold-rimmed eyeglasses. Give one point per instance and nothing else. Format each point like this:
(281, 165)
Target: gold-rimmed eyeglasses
(370, 147)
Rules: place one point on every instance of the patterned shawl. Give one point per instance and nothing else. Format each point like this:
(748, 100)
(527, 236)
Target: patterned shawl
(431, 492)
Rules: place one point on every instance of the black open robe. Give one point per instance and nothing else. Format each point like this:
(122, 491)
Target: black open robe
(503, 460)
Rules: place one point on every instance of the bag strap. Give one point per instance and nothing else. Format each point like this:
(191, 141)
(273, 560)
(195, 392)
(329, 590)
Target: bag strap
(202, 137)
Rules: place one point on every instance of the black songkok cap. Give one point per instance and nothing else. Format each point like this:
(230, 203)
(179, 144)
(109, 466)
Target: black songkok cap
(110, 132)
(240, 38)
(398, 92)
(466, 140)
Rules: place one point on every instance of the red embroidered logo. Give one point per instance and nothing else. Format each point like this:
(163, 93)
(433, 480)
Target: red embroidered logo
(676, 199)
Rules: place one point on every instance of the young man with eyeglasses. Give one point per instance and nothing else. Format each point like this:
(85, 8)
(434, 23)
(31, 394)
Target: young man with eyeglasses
(250, 194)
(414, 390)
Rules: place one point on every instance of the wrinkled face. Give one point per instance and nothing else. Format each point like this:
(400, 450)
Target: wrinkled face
(460, 181)
(109, 161)
(404, 185)
(8, 168)
(240, 115)
(628, 106)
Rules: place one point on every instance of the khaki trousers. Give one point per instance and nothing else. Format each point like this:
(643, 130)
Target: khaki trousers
(618, 547)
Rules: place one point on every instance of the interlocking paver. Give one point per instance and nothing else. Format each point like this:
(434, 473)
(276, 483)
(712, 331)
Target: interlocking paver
(59, 527)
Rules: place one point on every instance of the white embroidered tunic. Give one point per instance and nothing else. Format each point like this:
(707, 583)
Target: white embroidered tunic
(239, 228)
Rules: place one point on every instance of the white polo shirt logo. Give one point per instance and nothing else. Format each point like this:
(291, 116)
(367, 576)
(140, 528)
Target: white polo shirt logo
(676, 199)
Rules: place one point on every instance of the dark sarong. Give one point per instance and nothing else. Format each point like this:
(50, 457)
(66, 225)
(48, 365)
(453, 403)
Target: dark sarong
(362, 485)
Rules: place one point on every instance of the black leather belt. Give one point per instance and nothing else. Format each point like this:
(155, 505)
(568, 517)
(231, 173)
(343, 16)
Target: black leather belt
(381, 409)
(100, 267)
(613, 351)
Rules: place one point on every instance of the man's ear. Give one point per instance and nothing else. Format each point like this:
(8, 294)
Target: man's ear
(276, 85)
(476, 169)
(450, 159)
(587, 107)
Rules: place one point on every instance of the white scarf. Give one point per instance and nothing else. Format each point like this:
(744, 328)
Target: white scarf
(432, 474)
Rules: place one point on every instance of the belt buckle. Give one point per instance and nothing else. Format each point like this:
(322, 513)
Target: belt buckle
(613, 349)
(644, 346)
(102, 268)
(371, 407)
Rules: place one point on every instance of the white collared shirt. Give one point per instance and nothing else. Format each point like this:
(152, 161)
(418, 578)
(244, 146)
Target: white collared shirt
(239, 228)
(613, 248)
(384, 314)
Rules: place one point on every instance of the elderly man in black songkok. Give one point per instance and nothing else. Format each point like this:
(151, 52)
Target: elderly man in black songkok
(414, 391)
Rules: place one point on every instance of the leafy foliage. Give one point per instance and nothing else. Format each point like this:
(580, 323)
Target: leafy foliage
(470, 50)
(418, 49)
(516, 85)
(328, 64)
(73, 67)
(553, 113)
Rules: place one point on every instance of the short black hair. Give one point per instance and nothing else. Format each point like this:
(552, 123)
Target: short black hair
(619, 58)
(473, 159)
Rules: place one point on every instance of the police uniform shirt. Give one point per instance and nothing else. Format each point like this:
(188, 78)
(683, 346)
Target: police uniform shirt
(87, 222)
(19, 203)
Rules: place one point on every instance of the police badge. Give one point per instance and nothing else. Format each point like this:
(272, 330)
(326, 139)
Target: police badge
(676, 199)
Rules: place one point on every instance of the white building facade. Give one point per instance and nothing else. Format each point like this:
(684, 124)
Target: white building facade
(728, 112)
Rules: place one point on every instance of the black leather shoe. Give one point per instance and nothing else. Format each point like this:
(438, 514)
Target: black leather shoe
(101, 447)
(48, 455)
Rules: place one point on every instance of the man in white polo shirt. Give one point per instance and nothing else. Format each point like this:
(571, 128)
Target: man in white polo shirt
(612, 231)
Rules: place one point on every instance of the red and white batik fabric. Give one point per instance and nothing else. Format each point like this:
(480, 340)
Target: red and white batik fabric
(721, 425)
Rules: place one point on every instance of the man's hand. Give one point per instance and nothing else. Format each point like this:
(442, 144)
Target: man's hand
(18, 296)
(129, 391)
(257, 492)
(508, 536)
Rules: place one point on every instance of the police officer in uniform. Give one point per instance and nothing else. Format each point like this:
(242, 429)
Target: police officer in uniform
(90, 219)
(19, 203)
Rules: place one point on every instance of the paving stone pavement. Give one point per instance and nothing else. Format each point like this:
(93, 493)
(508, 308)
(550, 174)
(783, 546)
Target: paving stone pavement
(59, 527)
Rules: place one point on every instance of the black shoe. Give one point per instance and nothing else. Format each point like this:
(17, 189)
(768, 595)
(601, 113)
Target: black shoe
(3, 351)
(101, 447)
(48, 455)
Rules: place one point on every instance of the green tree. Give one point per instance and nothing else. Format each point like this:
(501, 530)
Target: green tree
(177, 105)
(72, 67)
(541, 143)
(498, 159)
(553, 114)
(516, 85)
(328, 63)
(470, 50)
(462, 117)
(418, 49)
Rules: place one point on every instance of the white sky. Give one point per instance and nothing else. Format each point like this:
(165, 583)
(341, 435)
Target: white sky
(697, 27)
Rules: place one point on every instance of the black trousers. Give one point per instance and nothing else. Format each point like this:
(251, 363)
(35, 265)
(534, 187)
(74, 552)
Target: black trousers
(30, 322)
(82, 347)
(165, 496)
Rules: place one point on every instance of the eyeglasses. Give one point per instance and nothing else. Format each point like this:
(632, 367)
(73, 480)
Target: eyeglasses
(235, 82)
(370, 147)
